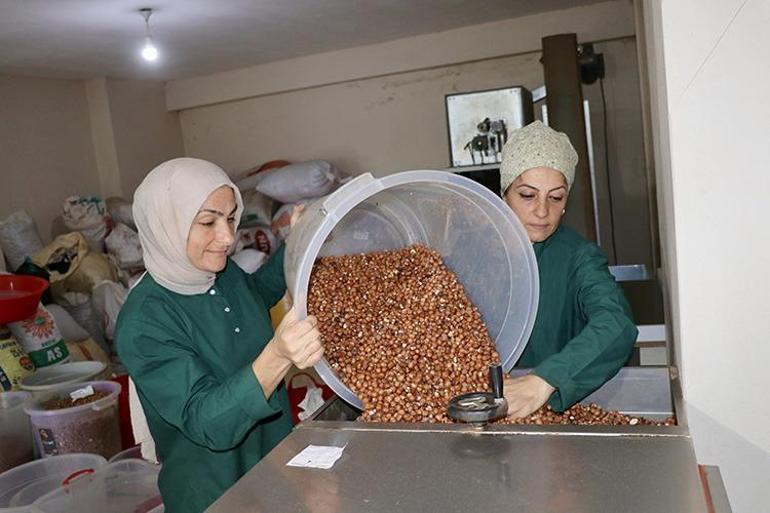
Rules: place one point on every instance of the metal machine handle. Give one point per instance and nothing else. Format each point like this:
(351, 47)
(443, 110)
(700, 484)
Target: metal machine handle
(496, 380)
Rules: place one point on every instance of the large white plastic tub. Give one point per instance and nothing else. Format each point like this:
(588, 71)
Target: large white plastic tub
(25, 484)
(123, 486)
(477, 234)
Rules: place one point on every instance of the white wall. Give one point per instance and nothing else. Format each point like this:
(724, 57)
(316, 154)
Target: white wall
(71, 137)
(381, 108)
(146, 134)
(383, 111)
(710, 107)
(381, 125)
(607, 20)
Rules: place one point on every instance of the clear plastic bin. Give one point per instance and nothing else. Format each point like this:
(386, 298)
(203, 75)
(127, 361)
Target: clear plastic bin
(92, 427)
(55, 376)
(25, 484)
(476, 233)
(15, 433)
(123, 486)
(132, 453)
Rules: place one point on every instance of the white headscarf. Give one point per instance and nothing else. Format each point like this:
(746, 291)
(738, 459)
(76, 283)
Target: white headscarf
(165, 205)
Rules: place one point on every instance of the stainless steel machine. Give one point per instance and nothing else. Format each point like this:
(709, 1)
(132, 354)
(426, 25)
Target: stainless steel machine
(429, 468)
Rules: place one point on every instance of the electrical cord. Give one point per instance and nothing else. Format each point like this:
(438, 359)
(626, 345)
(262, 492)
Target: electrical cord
(607, 170)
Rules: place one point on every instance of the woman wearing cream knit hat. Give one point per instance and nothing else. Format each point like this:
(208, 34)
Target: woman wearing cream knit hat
(584, 331)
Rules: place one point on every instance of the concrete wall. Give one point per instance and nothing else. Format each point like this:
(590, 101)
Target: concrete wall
(146, 134)
(600, 21)
(709, 124)
(369, 117)
(46, 152)
(69, 137)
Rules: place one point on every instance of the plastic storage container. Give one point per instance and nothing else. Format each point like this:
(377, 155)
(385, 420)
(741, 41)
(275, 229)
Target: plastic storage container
(132, 453)
(479, 237)
(25, 484)
(15, 433)
(123, 486)
(92, 427)
(53, 377)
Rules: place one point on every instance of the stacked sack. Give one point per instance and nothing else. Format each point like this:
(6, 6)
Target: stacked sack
(15, 364)
(88, 270)
(271, 193)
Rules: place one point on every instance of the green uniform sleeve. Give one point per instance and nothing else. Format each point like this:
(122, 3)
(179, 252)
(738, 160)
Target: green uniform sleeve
(270, 280)
(597, 353)
(177, 384)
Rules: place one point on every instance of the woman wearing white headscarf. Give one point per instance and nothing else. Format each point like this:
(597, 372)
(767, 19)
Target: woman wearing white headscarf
(583, 332)
(195, 336)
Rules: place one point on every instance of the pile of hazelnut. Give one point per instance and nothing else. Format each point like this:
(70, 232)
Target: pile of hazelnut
(584, 415)
(400, 332)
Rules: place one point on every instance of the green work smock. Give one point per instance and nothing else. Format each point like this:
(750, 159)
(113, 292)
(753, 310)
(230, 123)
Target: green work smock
(584, 330)
(190, 357)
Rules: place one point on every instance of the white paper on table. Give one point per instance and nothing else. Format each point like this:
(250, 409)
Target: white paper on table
(316, 456)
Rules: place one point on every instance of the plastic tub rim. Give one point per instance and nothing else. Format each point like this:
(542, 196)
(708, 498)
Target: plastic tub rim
(22, 395)
(365, 186)
(37, 463)
(84, 377)
(33, 407)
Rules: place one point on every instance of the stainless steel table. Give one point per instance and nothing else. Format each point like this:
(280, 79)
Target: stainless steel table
(446, 470)
(430, 468)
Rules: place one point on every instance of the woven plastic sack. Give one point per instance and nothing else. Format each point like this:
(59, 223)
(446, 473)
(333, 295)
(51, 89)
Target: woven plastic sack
(72, 267)
(121, 211)
(68, 327)
(41, 339)
(19, 238)
(79, 306)
(123, 244)
(281, 225)
(15, 364)
(89, 216)
(296, 182)
(259, 237)
(249, 259)
(107, 299)
(257, 208)
(87, 350)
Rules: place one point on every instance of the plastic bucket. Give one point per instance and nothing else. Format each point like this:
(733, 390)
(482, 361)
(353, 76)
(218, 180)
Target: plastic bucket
(19, 296)
(56, 376)
(92, 427)
(478, 236)
(15, 433)
(122, 486)
(27, 483)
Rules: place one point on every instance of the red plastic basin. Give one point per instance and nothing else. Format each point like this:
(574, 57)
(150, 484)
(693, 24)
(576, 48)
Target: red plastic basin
(19, 296)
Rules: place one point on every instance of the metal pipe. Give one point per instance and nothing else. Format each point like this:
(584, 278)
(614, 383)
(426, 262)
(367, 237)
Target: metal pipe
(565, 114)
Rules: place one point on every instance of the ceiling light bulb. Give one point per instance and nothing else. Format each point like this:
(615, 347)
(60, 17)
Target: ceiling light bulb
(149, 52)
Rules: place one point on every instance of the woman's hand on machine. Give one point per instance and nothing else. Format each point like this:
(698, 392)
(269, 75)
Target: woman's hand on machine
(525, 394)
(298, 341)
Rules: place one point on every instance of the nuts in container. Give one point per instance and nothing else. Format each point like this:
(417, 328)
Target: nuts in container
(400, 332)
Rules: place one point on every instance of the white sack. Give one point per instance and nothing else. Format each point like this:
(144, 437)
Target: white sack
(19, 238)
